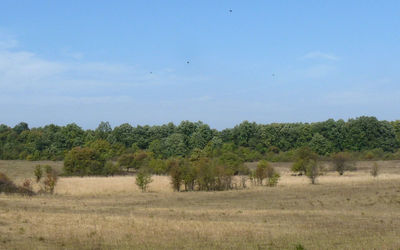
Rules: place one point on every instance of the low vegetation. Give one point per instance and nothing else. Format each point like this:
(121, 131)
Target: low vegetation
(8, 187)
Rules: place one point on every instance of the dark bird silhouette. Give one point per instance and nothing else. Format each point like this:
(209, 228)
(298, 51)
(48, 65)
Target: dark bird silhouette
(230, 11)
(187, 62)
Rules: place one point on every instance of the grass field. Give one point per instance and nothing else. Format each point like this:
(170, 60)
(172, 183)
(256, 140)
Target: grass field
(354, 211)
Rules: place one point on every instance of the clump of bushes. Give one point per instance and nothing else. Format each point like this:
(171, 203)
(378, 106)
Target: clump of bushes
(49, 180)
(204, 174)
(263, 171)
(8, 187)
(266, 171)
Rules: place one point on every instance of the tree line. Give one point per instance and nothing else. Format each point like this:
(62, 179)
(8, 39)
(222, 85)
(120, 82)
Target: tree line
(249, 140)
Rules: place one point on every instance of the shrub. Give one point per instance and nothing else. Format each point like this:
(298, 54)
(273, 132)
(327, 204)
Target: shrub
(127, 161)
(261, 171)
(312, 170)
(83, 161)
(8, 187)
(206, 174)
(266, 171)
(189, 176)
(38, 173)
(341, 162)
(158, 166)
(223, 178)
(111, 169)
(273, 181)
(304, 156)
(176, 174)
(51, 180)
(272, 176)
(143, 179)
(375, 170)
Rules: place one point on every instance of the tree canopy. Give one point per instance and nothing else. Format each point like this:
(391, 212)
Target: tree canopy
(52, 142)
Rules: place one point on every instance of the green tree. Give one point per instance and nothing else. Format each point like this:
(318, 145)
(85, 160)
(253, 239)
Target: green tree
(102, 147)
(304, 156)
(21, 127)
(83, 161)
(320, 145)
(175, 145)
(103, 130)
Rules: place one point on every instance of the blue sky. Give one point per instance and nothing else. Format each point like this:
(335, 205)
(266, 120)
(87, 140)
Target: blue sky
(266, 61)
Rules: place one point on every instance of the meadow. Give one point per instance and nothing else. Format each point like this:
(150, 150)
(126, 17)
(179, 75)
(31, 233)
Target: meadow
(354, 211)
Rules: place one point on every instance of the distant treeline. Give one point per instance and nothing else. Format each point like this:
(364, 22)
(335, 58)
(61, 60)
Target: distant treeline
(255, 141)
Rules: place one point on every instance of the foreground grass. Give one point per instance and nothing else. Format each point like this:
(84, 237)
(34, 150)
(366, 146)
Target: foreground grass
(350, 212)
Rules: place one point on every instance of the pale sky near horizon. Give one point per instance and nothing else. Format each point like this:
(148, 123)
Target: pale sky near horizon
(266, 61)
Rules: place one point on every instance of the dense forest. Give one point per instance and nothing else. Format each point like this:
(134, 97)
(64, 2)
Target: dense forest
(251, 140)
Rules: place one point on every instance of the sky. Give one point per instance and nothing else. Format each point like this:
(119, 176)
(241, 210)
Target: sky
(220, 62)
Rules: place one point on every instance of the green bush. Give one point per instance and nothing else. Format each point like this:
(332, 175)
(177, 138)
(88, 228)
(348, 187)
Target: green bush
(313, 170)
(342, 162)
(111, 168)
(176, 174)
(158, 166)
(38, 173)
(273, 180)
(261, 171)
(304, 157)
(51, 180)
(83, 161)
(143, 179)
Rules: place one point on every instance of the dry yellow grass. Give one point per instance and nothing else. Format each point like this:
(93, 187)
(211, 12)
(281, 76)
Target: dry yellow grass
(354, 211)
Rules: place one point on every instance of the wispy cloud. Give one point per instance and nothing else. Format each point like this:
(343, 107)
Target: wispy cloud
(320, 55)
(318, 71)
(20, 69)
